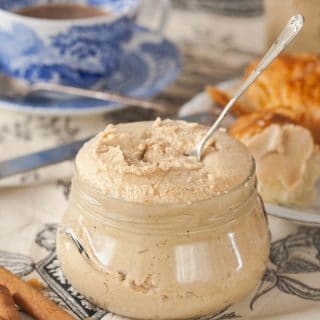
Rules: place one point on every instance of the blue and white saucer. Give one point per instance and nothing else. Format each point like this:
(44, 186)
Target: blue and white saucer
(150, 64)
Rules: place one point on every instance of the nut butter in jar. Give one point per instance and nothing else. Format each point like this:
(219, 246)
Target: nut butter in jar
(151, 233)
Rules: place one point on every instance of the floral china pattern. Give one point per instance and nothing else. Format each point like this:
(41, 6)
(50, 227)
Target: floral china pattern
(141, 68)
(117, 6)
(35, 59)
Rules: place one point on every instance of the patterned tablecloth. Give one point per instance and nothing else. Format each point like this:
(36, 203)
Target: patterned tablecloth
(217, 41)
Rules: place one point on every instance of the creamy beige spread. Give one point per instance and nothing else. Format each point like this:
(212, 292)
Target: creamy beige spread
(288, 163)
(157, 252)
(149, 162)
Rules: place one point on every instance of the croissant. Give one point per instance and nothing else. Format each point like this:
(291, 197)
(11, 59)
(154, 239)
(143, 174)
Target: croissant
(253, 123)
(291, 82)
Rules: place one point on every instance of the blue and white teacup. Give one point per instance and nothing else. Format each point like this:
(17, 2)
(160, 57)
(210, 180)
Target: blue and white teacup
(77, 52)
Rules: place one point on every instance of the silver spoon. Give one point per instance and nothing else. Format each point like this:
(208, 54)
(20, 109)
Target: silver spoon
(288, 33)
(15, 88)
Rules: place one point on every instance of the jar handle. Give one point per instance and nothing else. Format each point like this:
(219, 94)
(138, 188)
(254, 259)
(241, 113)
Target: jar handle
(91, 258)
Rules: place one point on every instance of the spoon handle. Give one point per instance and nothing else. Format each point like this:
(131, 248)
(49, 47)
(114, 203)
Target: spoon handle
(95, 94)
(289, 32)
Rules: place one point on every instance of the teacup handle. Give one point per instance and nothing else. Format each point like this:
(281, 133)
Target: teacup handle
(165, 13)
(163, 18)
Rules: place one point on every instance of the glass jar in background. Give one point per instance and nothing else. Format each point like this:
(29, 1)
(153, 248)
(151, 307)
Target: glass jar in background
(164, 261)
(277, 13)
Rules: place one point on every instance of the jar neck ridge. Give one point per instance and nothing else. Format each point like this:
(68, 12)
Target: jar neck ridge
(211, 212)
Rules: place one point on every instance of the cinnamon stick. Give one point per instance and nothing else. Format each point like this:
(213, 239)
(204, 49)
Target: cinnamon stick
(8, 308)
(31, 300)
(36, 284)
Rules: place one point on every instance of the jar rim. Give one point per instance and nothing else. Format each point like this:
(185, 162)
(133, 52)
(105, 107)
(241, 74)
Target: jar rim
(238, 186)
(166, 217)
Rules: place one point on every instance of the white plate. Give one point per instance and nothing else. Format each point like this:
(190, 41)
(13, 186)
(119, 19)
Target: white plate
(309, 215)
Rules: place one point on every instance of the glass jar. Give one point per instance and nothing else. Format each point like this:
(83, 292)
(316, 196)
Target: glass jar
(277, 15)
(164, 261)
